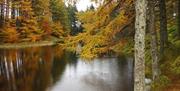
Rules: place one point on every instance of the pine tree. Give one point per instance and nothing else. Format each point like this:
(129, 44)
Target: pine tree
(28, 24)
(72, 10)
(43, 14)
(60, 14)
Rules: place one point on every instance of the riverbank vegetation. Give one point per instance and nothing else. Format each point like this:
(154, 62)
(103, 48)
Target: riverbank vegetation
(34, 20)
(112, 28)
(110, 31)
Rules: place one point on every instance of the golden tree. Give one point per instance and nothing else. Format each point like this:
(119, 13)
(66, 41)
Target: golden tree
(28, 24)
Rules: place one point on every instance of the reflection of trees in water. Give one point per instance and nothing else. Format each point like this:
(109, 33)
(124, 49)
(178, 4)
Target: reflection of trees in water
(125, 66)
(60, 63)
(42, 77)
(26, 69)
(58, 69)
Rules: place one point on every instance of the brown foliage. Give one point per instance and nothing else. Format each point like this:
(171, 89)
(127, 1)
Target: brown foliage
(10, 35)
(34, 37)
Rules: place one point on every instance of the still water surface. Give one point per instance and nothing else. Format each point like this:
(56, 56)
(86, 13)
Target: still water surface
(52, 69)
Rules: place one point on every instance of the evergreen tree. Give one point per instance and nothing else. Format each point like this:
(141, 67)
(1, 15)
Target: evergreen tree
(72, 10)
(60, 14)
(43, 14)
(28, 24)
(92, 7)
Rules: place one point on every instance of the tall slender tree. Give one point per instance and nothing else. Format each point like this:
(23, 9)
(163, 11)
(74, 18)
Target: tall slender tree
(7, 9)
(13, 10)
(154, 46)
(178, 23)
(163, 26)
(140, 27)
(2, 13)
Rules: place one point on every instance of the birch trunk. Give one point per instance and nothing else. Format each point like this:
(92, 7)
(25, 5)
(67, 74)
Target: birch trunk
(140, 27)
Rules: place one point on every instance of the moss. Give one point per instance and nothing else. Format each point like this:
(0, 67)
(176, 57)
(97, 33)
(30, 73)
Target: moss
(175, 66)
(161, 83)
(177, 44)
(170, 65)
(148, 62)
(172, 32)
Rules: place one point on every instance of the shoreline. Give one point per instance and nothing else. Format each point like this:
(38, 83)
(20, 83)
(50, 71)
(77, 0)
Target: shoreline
(27, 44)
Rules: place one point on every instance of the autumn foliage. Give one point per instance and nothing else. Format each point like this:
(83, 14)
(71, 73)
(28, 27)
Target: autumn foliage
(10, 35)
(33, 20)
(100, 34)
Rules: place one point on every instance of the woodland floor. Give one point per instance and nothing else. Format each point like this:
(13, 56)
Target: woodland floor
(174, 86)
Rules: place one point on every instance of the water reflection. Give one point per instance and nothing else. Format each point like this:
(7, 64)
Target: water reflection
(51, 69)
(26, 69)
(107, 74)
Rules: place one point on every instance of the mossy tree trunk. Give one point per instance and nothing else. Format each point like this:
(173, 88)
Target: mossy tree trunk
(140, 27)
(154, 46)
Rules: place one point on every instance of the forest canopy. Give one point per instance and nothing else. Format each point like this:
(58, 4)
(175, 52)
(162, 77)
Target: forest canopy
(34, 20)
(147, 29)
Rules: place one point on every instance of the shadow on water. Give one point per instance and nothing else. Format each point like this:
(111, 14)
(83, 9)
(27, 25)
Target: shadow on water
(52, 69)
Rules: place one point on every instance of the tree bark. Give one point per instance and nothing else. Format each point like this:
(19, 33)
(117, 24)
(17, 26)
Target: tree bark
(178, 23)
(13, 15)
(154, 46)
(7, 9)
(140, 27)
(2, 14)
(163, 26)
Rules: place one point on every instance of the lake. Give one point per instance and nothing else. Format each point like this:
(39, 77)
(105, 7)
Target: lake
(53, 69)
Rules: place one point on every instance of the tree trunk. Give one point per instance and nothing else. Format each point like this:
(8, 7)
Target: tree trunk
(154, 46)
(2, 14)
(140, 27)
(7, 9)
(178, 25)
(13, 15)
(163, 26)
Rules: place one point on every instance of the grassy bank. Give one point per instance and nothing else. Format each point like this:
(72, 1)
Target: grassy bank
(27, 44)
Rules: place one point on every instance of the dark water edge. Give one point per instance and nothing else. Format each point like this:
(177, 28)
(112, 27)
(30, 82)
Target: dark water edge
(53, 69)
